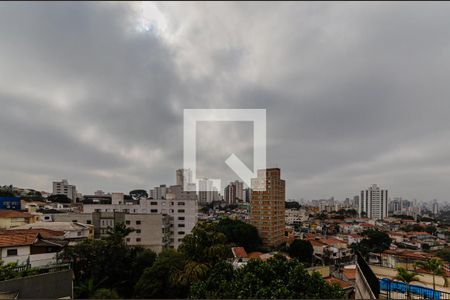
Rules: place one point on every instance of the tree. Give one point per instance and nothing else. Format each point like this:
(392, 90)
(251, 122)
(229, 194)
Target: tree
(59, 199)
(157, 282)
(118, 233)
(407, 277)
(436, 268)
(205, 244)
(302, 250)
(292, 204)
(138, 194)
(203, 248)
(374, 241)
(444, 254)
(107, 263)
(276, 278)
(431, 229)
(106, 294)
(240, 233)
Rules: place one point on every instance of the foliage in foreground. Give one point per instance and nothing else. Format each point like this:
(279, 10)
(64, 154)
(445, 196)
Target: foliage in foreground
(108, 268)
(277, 278)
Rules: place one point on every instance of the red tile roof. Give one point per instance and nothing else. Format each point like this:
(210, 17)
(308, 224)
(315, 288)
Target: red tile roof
(45, 233)
(350, 274)
(4, 213)
(239, 252)
(333, 280)
(10, 239)
(317, 243)
(367, 225)
(255, 255)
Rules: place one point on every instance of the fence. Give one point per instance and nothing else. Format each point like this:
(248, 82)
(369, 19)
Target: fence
(371, 279)
(398, 290)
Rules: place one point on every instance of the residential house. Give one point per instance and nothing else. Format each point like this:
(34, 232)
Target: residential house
(35, 248)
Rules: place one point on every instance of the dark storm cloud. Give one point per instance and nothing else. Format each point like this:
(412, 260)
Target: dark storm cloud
(355, 93)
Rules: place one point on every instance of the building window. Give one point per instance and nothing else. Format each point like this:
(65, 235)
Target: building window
(74, 221)
(153, 203)
(138, 231)
(181, 210)
(181, 218)
(181, 232)
(180, 225)
(11, 252)
(138, 240)
(128, 239)
(88, 222)
(127, 222)
(153, 210)
(138, 222)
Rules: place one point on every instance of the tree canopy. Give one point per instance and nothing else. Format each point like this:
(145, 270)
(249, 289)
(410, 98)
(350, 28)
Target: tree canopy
(138, 194)
(302, 250)
(107, 263)
(240, 233)
(374, 241)
(59, 199)
(276, 278)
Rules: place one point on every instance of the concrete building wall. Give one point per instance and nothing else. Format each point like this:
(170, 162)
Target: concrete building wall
(151, 231)
(182, 213)
(362, 288)
(44, 286)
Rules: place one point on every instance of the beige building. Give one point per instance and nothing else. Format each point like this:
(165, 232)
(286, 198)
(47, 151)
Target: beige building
(152, 230)
(267, 207)
(14, 218)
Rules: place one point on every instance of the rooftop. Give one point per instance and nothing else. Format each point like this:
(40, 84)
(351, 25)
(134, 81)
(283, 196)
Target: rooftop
(4, 213)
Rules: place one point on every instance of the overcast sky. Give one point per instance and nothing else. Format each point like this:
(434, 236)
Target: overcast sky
(355, 93)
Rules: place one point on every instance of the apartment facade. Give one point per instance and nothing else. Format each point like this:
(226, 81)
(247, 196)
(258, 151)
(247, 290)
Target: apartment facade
(151, 231)
(373, 203)
(207, 193)
(267, 207)
(234, 192)
(181, 208)
(64, 188)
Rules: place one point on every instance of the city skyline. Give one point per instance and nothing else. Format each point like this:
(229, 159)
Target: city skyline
(100, 102)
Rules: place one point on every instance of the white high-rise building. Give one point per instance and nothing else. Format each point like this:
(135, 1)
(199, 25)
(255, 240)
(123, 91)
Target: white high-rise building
(207, 192)
(159, 192)
(373, 203)
(64, 188)
(435, 207)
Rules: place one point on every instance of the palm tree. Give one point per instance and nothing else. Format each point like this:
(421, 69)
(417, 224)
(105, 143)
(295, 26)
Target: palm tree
(118, 232)
(435, 267)
(407, 277)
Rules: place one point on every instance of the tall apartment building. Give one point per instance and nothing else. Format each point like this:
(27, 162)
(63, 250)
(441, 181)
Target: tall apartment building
(248, 195)
(373, 203)
(64, 188)
(395, 206)
(435, 207)
(183, 176)
(207, 192)
(234, 192)
(181, 207)
(267, 207)
(159, 192)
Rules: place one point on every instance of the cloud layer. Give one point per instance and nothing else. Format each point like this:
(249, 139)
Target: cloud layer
(355, 93)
